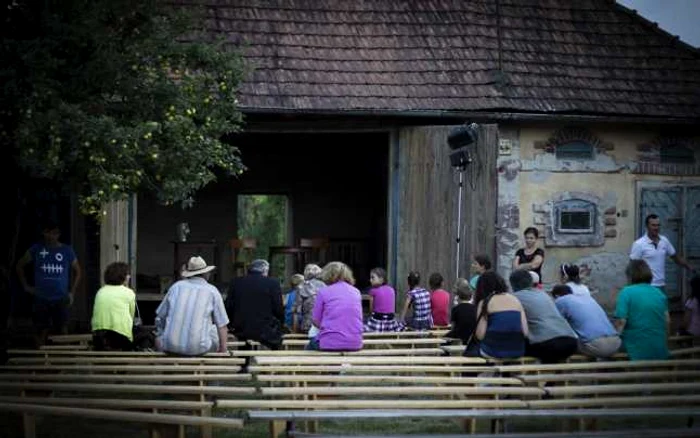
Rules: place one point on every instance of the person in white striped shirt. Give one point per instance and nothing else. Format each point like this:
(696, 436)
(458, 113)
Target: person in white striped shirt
(192, 319)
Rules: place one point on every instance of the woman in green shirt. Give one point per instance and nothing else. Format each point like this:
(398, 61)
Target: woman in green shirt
(113, 312)
(642, 316)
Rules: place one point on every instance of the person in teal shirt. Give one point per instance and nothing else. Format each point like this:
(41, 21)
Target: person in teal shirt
(642, 316)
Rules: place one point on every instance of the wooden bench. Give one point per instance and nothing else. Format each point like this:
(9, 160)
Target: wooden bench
(123, 393)
(45, 406)
(363, 352)
(385, 343)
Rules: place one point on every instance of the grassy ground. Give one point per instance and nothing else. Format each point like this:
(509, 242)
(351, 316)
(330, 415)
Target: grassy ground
(64, 427)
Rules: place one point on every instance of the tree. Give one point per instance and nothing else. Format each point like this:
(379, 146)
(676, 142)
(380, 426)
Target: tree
(115, 97)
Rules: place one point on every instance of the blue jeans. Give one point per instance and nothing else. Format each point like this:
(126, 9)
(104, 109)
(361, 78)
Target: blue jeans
(313, 344)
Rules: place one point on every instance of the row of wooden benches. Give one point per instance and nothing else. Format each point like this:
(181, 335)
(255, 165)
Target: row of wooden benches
(417, 385)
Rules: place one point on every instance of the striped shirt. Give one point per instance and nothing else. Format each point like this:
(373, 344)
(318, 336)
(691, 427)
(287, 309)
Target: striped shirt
(421, 305)
(189, 315)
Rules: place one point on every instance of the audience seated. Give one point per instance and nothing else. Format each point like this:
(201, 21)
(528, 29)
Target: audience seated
(439, 300)
(463, 315)
(419, 299)
(383, 296)
(191, 320)
(254, 305)
(305, 299)
(642, 315)
(113, 311)
(550, 339)
(501, 322)
(596, 335)
(338, 311)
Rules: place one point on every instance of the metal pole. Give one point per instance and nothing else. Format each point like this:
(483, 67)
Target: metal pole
(459, 219)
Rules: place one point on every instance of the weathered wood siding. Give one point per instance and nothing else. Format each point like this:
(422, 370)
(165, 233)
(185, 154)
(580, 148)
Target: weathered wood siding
(117, 243)
(427, 203)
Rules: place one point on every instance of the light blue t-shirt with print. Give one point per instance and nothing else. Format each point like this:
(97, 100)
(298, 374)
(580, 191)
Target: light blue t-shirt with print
(585, 316)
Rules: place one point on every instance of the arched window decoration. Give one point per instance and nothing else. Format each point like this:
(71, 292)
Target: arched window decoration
(676, 154)
(575, 150)
(575, 216)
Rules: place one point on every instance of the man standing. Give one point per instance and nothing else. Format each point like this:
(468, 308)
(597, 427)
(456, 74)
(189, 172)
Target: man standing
(192, 318)
(54, 286)
(254, 304)
(653, 248)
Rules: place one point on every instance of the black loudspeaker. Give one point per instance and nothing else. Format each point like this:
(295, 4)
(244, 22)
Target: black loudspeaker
(461, 140)
(463, 136)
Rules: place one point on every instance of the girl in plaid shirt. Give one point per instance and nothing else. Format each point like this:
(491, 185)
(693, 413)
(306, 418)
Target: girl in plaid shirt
(418, 298)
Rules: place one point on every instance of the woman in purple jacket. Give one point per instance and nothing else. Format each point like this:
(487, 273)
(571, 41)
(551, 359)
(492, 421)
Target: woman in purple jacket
(337, 311)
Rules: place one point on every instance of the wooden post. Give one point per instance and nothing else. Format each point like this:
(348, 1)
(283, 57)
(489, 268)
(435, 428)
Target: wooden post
(276, 428)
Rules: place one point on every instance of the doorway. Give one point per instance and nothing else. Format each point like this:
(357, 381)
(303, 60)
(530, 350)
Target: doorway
(265, 220)
(678, 208)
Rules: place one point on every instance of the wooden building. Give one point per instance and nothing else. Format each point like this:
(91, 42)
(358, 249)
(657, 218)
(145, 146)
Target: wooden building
(584, 108)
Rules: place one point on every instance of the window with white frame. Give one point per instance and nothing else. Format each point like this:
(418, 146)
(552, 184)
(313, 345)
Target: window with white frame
(575, 216)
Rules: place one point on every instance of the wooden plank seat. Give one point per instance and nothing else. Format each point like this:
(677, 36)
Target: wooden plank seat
(690, 352)
(607, 377)
(363, 360)
(308, 379)
(363, 352)
(37, 408)
(132, 360)
(683, 364)
(60, 376)
(93, 353)
(376, 343)
(120, 368)
(135, 395)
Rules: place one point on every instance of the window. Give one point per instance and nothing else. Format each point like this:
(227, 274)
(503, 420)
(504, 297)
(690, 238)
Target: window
(575, 216)
(575, 150)
(676, 154)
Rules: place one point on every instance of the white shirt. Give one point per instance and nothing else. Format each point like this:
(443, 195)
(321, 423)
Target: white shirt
(579, 289)
(655, 256)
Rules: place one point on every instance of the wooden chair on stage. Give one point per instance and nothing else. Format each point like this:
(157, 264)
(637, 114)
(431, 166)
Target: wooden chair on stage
(242, 253)
(317, 249)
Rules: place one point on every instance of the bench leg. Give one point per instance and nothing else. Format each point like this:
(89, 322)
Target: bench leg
(206, 430)
(469, 425)
(29, 423)
(277, 427)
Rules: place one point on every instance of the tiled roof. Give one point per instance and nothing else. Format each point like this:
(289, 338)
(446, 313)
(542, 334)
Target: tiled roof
(590, 57)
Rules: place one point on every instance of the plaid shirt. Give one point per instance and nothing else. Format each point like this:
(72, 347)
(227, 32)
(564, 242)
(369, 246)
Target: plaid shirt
(421, 304)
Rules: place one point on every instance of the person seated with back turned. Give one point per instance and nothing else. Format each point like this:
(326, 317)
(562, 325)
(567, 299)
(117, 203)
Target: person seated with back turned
(113, 312)
(191, 320)
(501, 323)
(596, 335)
(254, 305)
(418, 298)
(439, 300)
(641, 315)
(337, 311)
(463, 315)
(550, 337)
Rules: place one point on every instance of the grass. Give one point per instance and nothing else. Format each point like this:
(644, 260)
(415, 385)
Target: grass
(65, 427)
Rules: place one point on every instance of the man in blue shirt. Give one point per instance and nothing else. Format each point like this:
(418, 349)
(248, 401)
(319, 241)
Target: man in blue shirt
(56, 276)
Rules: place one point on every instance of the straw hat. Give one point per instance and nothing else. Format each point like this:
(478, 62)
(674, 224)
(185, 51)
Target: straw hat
(195, 266)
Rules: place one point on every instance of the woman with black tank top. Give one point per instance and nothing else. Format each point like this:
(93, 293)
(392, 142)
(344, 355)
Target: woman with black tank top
(531, 257)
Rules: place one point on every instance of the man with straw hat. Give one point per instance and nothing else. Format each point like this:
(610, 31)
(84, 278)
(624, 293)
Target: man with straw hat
(192, 318)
